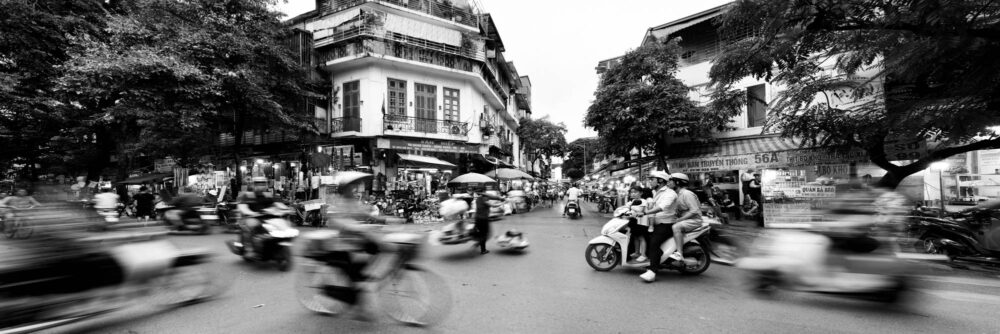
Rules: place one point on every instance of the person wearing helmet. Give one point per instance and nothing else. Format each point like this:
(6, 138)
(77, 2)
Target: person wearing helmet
(346, 215)
(662, 213)
(688, 213)
(572, 195)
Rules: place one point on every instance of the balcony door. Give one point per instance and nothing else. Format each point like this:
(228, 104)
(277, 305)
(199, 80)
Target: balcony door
(352, 106)
(426, 107)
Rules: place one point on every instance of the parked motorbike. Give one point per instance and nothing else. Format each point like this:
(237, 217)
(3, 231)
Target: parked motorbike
(972, 234)
(605, 205)
(100, 275)
(605, 252)
(513, 240)
(404, 209)
(573, 209)
(270, 241)
(829, 258)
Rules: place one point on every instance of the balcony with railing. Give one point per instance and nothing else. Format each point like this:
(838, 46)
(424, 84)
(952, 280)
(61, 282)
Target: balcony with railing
(466, 15)
(471, 48)
(345, 124)
(410, 126)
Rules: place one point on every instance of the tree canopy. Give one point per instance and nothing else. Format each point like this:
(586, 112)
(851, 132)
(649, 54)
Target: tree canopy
(857, 73)
(583, 151)
(541, 138)
(640, 103)
(151, 77)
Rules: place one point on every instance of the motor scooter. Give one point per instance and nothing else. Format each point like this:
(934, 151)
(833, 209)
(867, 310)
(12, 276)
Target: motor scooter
(100, 275)
(109, 217)
(970, 235)
(606, 251)
(572, 209)
(201, 224)
(829, 258)
(270, 241)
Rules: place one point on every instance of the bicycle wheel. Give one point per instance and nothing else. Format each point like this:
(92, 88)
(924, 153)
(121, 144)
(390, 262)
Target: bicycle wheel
(24, 231)
(416, 297)
(10, 228)
(314, 280)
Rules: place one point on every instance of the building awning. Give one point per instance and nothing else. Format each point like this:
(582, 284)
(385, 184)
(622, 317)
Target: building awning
(148, 178)
(413, 160)
(731, 147)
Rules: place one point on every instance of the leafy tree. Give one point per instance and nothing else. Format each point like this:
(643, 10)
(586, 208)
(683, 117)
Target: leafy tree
(36, 39)
(936, 61)
(574, 174)
(541, 138)
(166, 76)
(640, 104)
(583, 151)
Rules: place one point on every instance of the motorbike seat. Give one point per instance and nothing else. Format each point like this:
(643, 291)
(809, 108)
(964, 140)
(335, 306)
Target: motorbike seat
(513, 234)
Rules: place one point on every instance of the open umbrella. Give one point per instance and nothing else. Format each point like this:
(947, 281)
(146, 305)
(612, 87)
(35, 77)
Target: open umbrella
(471, 178)
(509, 174)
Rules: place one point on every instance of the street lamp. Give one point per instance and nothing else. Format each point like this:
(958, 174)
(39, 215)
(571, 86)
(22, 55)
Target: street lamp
(940, 166)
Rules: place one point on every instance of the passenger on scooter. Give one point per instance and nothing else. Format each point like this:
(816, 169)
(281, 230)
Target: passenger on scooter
(688, 213)
(573, 195)
(638, 225)
(662, 213)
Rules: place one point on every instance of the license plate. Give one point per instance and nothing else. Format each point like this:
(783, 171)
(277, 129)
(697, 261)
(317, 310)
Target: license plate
(209, 217)
(400, 210)
(572, 210)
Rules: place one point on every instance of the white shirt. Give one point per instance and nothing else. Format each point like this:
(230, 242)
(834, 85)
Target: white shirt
(106, 201)
(573, 193)
(665, 199)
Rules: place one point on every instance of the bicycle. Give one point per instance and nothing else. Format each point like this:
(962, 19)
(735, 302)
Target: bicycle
(329, 279)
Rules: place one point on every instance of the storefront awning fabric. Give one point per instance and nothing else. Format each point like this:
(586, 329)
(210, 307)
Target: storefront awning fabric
(413, 160)
(731, 147)
(148, 178)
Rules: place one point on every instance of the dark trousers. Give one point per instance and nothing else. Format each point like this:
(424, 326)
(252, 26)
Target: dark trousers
(482, 232)
(661, 233)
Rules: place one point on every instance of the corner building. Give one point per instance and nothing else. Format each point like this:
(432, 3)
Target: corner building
(420, 90)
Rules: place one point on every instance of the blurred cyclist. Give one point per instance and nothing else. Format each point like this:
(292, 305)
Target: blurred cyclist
(19, 201)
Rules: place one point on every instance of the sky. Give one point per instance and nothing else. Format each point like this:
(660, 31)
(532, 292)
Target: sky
(557, 43)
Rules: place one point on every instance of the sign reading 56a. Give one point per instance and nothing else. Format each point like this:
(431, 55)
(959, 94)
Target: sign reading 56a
(765, 158)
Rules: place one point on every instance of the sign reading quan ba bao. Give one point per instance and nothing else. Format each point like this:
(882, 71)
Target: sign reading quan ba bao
(425, 145)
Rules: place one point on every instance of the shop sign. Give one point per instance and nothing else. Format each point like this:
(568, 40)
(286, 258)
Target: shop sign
(426, 145)
(817, 191)
(165, 165)
(989, 161)
(790, 213)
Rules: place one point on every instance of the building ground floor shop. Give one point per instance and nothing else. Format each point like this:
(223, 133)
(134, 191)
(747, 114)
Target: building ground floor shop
(796, 183)
(400, 165)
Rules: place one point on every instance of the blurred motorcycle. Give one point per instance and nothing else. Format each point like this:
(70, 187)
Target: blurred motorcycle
(829, 258)
(90, 277)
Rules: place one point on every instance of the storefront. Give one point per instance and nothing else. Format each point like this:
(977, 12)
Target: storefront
(795, 182)
(414, 164)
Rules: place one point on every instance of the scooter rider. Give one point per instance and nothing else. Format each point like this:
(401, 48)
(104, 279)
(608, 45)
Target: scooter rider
(573, 195)
(186, 206)
(688, 213)
(662, 213)
(345, 214)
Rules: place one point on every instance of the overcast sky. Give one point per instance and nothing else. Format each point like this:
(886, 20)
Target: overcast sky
(559, 42)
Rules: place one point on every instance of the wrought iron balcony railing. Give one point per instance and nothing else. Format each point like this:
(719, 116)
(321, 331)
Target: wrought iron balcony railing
(345, 124)
(467, 15)
(404, 124)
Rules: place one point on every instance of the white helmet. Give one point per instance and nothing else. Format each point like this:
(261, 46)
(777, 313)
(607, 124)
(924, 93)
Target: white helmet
(680, 176)
(659, 174)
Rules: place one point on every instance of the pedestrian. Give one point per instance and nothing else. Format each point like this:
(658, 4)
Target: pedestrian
(750, 208)
(144, 201)
(483, 206)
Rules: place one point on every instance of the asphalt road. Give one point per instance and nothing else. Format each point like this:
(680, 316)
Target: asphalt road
(550, 289)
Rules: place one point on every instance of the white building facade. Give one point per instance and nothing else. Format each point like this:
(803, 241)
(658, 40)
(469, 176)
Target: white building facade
(417, 87)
